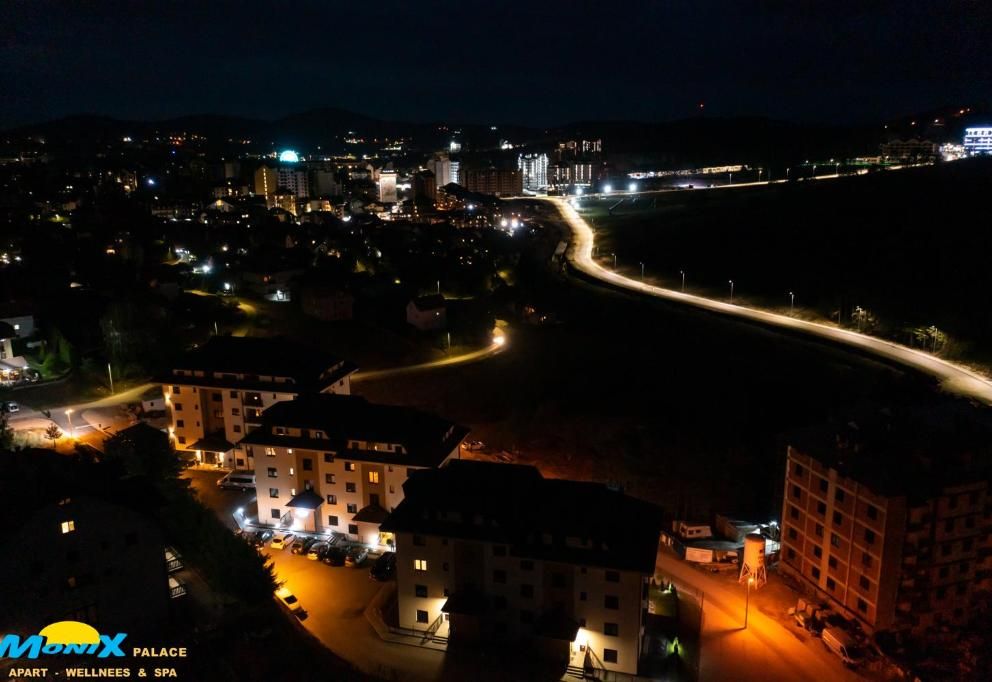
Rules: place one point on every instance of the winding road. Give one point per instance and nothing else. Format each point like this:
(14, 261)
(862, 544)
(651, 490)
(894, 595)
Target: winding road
(952, 377)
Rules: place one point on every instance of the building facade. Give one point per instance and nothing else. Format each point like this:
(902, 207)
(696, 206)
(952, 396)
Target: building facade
(978, 140)
(387, 186)
(898, 543)
(498, 182)
(216, 394)
(496, 551)
(534, 168)
(335, 463)
(268, 179)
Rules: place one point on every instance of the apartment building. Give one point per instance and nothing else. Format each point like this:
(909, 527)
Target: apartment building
(80, 550)
(888, 518)
(496, 551)
(500, 182)
(337, 463)
(216, 393)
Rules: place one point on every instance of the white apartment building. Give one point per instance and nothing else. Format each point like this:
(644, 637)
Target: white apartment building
(978, 140)
(535, 170)
(496, 551)
(216, 394)
(334, 463)
(387, 186)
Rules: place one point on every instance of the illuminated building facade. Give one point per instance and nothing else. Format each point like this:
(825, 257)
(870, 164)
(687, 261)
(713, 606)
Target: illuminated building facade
(336, 463)
(269, 179)
(498, 552)
(216, 394)
(885, 529)
(535, 171)
(498, 182)
(978, 140)
(387, 186)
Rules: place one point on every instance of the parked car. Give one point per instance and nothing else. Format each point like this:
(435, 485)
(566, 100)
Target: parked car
(474, 445)
(10, 407)
(842, 644)
(301, 545)
(384, 567)
(289, 600)
(334, 556)
(260, 537)
(237, 480)
(317, 550)
(282, 541)
(356, 556)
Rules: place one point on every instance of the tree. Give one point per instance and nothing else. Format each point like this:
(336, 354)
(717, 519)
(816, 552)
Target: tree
(6, 434)
(53, 433)
(144, 451)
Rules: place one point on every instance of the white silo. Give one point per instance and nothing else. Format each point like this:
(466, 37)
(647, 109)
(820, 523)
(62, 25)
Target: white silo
(753, 567)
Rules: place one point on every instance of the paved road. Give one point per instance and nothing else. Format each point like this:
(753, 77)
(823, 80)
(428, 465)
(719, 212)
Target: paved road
(765, 651)
(497, 346)
(952, 377)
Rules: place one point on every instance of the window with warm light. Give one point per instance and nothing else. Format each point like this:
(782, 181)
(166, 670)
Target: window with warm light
(420, 564)
(373, 477)
(68, 527)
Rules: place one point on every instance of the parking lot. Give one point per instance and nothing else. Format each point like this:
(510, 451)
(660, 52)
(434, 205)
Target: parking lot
(334, 597)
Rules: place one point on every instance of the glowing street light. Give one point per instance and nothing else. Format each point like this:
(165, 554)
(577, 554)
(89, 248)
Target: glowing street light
(731, 283)
(642, 271)
(792, 302)
(607, 189)
(632, 187)
(578, 191)
(614, 262)
(682, 272)
(72, 429)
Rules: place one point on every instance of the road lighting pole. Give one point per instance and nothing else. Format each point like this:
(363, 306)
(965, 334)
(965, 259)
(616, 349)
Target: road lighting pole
(72, 430)
(747, 599)
(642, 271)
(614, 262)
(110, 375)
(792, 302)
(731, 282)
(682, 272)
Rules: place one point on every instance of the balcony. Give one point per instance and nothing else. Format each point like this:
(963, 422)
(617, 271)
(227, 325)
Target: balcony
(173, 560)
(176, 588)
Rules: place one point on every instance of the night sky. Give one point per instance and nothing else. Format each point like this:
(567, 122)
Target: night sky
(493, 62)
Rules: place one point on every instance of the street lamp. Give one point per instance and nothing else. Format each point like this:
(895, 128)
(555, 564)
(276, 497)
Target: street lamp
(792, 302)
(682, 272)
(642, 271)
(614, 262)
(110, 375)
(72, 430)
(747, 599)
(759, 175)
(731, 282)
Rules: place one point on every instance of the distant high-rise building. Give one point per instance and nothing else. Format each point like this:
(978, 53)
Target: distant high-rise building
(269, 179)
(455, 172)
(424, 186)
(978, 140)
(535, 170)
(495, 181)
(387, 186)
(440, 165)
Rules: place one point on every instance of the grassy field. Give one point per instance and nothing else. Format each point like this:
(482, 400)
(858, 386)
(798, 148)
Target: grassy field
(680, 407)
(907, 246)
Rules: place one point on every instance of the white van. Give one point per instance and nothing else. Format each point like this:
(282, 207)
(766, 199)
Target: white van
(237, 480)
(841, 643)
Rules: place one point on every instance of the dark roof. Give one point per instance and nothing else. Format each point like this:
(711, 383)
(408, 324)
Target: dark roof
(212, 442)
(306, 499)
(540, 518)
(141, 434)
(912, 451)
(371, 513)
(426, 438)
(308, 368)
(466, 602)
(7, 331)
(432, 302)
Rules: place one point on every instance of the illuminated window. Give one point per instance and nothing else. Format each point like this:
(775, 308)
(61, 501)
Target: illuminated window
(420, 564)
(68, 527)
(373, 477)
(349, 466)
(270, 452)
